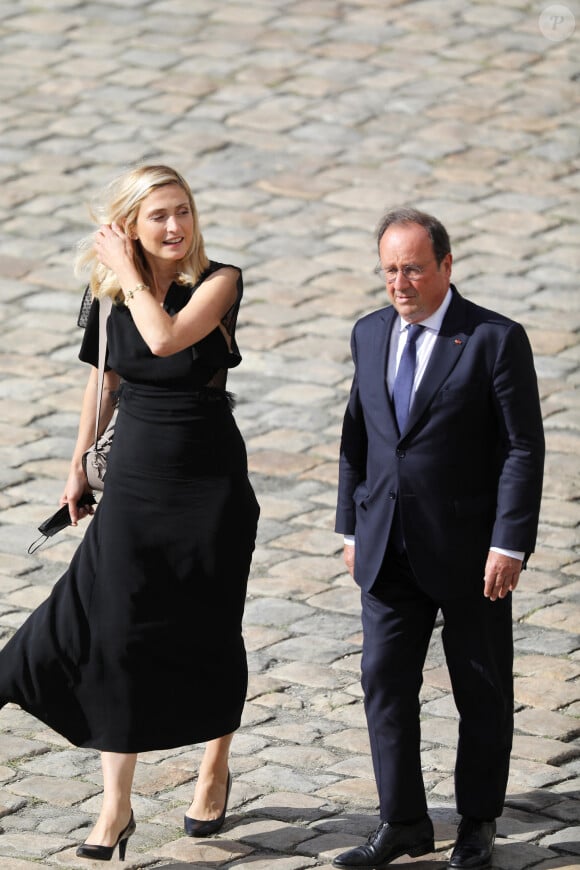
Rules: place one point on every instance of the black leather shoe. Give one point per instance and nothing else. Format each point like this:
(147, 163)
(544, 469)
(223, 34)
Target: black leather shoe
(388, 842)
(474, 845)
(205, 828)
(105, 853)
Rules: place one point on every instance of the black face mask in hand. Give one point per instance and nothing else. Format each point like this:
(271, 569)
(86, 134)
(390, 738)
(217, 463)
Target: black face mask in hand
(58, 521)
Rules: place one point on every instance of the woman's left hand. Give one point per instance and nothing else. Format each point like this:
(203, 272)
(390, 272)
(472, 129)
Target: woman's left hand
(115, 250)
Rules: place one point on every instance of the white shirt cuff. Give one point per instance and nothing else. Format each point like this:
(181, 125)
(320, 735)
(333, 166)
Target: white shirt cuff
(515, 554)
(349, 540)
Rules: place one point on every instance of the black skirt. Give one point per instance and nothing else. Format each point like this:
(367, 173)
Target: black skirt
(139, 646)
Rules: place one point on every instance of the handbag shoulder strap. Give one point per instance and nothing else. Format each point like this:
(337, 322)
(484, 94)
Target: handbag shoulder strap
(105, 305)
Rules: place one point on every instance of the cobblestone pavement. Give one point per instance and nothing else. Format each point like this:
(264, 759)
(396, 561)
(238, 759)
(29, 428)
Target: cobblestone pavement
(297, 124)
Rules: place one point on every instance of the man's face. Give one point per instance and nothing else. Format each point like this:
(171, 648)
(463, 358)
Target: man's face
(415, 284)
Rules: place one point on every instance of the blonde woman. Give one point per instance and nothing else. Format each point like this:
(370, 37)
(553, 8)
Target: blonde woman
(139, 647)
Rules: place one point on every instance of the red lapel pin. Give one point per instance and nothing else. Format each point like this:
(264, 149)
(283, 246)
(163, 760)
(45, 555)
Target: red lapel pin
(457, 341)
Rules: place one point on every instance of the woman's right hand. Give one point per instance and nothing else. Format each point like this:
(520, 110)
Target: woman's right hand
(75, 488)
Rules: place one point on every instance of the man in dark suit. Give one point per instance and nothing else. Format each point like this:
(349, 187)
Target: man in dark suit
(440, 481)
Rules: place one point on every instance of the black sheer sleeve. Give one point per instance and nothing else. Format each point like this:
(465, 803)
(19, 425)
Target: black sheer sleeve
(89, 319)
(85, 309)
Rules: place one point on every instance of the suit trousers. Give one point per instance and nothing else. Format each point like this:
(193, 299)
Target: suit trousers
(398, 618)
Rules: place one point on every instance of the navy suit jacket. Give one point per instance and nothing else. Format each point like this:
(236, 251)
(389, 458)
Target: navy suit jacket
(467, 471)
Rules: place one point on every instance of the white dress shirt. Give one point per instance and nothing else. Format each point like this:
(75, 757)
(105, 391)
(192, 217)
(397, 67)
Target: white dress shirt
(425, 344)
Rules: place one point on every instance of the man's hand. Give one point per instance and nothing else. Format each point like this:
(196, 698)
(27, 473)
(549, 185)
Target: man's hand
(502, 574)
(348, 555)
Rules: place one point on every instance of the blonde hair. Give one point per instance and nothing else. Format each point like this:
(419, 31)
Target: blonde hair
(120, 204)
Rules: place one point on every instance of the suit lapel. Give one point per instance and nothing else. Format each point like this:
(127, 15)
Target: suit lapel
(449, 345)
(388, 316)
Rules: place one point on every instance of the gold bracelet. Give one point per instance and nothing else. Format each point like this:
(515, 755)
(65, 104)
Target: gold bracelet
(130, 293)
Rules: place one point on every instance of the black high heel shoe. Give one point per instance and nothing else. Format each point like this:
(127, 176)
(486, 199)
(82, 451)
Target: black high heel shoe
(205, 828)
(105, 853)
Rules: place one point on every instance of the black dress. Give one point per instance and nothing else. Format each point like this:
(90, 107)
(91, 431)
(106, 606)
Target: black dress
(139, 645)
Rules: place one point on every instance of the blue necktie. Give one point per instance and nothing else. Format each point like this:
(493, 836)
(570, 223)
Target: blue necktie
(403, 386)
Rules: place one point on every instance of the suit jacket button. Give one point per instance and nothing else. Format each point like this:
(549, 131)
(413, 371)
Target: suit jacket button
(401, 454)
(392, 495)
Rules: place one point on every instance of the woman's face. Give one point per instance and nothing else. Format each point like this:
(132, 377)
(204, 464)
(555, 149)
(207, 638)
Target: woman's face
(165, 225)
